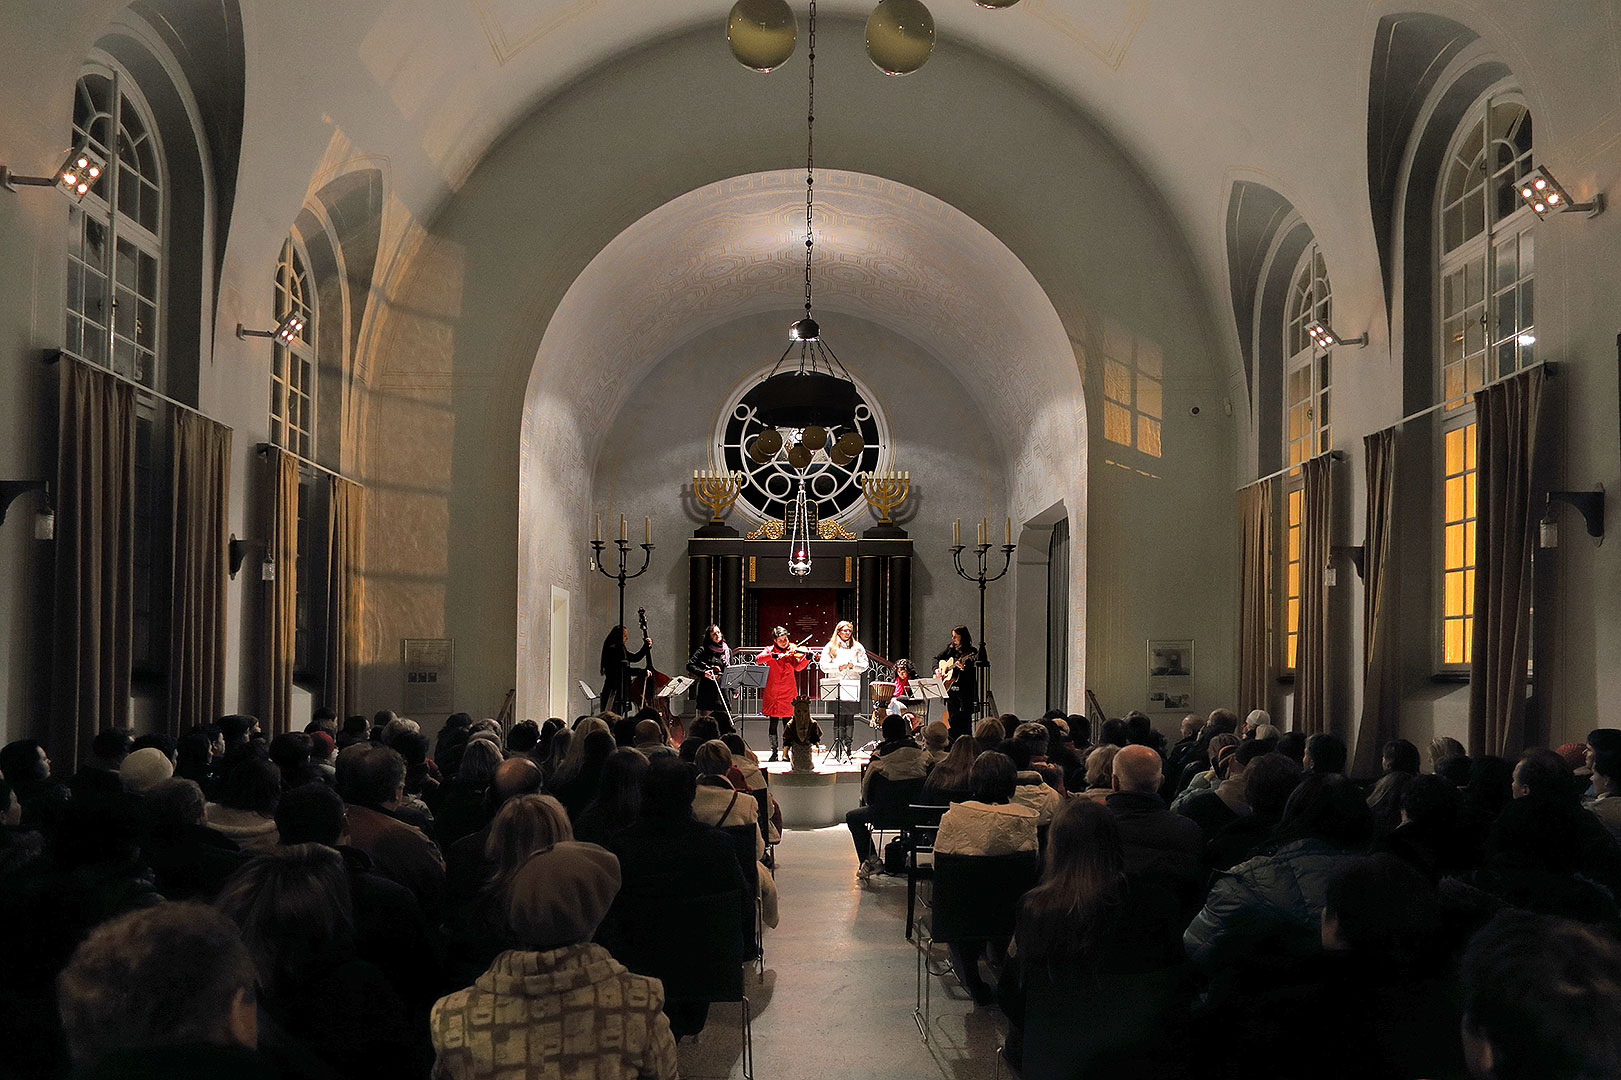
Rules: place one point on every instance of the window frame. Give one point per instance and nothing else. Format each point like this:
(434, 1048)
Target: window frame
(1310, 298)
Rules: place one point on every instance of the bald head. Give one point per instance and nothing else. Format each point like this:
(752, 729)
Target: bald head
(1137, 768)
(516, 776)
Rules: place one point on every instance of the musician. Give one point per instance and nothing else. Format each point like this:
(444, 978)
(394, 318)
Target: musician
(960, 662)
(843, 660)
(616, 661)
(707, 664)
(903, 686)
(785, 661)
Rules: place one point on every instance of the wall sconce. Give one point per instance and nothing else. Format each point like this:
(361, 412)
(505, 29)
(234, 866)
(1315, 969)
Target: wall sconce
(1545, 195)
(285, 332)
(44, 519)
(236, 552)
(1323, 336)
(78, 174)
(1590, 504)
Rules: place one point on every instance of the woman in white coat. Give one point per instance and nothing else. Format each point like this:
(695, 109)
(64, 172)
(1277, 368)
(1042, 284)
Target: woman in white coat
(843, 662)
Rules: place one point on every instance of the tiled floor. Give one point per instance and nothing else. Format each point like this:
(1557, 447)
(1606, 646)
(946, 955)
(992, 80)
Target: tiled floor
(836, 998)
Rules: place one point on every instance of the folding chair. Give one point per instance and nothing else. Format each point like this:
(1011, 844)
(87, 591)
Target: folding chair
(890, 803)
(744, 841)
(918, 836)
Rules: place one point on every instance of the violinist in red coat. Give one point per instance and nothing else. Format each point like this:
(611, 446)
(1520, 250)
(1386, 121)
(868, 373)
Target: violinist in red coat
(781, 687)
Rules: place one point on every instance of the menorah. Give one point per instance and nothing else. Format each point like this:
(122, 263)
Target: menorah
(885, 491)
(717, 490)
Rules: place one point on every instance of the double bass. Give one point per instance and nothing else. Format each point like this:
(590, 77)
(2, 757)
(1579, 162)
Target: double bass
(645, 687)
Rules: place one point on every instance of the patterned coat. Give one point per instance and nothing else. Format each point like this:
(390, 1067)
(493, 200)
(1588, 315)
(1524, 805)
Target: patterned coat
(554, 1015)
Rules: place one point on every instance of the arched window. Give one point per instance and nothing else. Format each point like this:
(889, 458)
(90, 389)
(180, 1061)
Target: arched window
(1487, 322)
(293, 366)
(1306, 383)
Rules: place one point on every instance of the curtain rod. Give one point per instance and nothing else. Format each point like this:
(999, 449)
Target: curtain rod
(265, 448)
(54, 355)
(1332, 455)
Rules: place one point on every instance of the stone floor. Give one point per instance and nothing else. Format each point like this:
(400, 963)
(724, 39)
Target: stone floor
(837, 995)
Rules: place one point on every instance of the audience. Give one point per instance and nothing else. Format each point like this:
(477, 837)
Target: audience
(245, 805)
(990, 823)
(371, 780)
(896, 760)
(619, 798)
(1100, 772)
(950, 780)
(1158, 844)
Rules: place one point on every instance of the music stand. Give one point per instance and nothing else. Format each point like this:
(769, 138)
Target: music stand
(737, 675)
(590, 694)
(678, 684)
(929, 690)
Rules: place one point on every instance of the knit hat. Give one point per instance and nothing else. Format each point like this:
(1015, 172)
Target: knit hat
(560, 896)
(1256, 719)
(145, 769)
(1574, 753)
(322, 744)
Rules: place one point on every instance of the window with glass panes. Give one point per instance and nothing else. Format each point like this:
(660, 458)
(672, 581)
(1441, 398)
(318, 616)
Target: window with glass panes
(292, 367)
(1487, 323)
(1306, 433)
(1134, 397)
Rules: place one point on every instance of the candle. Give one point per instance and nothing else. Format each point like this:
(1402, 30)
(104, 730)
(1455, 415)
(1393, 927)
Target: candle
(956, 533)
(1008, 541)
(647, 524)
(598, 535)
(623, 535)
(980, 539)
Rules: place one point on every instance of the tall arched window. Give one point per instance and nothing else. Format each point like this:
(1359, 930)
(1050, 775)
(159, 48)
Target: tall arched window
(1487, 322)
(1306, 383)
(293, 366)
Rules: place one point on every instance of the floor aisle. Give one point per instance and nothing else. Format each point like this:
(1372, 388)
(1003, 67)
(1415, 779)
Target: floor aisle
(836, 998)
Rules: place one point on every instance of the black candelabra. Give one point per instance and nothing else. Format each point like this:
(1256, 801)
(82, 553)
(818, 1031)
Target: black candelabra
(984, 577)
(621, 576)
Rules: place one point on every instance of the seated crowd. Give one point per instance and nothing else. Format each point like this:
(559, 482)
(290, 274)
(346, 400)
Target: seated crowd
(1234, 906)
(351, 901)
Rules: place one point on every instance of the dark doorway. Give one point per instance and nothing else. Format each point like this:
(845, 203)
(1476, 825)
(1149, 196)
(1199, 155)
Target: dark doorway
(1058, 616)
(806, 613)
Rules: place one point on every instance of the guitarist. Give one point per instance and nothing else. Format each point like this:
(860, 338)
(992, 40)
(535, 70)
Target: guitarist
(958, 663)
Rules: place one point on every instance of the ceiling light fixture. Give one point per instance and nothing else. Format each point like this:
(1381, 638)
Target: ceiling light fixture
(80, 172)
(286, 332)
(1544, 195)
(900, 36)
(761, 33)
(1323, 336)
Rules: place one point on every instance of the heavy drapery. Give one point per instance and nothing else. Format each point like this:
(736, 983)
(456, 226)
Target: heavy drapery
(1381, 690)
(281, 595)
(1312, 692)
(345, 542)
(1254, 596)
(200, 486)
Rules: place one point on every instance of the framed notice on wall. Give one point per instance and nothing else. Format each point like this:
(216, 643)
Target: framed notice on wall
(429, 671)
(1170, 675)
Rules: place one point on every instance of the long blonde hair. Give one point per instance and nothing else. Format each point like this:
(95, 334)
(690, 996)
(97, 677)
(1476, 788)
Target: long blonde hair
(834, 640)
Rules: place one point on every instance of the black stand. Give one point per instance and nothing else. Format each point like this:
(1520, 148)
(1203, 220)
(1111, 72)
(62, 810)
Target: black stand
(623, 545)
(983, 577)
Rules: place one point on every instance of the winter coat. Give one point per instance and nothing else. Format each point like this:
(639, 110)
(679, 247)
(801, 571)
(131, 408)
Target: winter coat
(976, 828)
(249, 831)
(1272, 902)
(777, 699)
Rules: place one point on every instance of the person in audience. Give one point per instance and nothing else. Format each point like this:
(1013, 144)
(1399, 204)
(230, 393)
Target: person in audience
(1540, 1000)
(989, 733)
(1031, 788)
(667, 854)
(1427, 837)
(160, 740)
(651, 739)
(1268, 910)
(98, 776)
(1454, 770)
(1158, 843)
(1385, 800)
(717, 803)
(1489, 790)
(1292, 745)
(1034, 735)
(524, 737)
(936, 741)
(27, 768)
(1605, 765)
(576, 786)
(1186, 744)
(169, 990)
(143, 769)
(194, 758)
(1399, 755)
(1140, 731)
(1207, 779)
(458, 726)
(244, 806)
(1269, 780)
(896, 759)
(1114, 733)
(1224, 804)
(464, 803)
(422, 780)
(189, 860)
(557, 1005)
(1325, 755)
(323, 719)
(700, 731)
(745, 774)
(557, 753)
(1099, 783)
(1221, 722)
(356, 729)
(618, 800)
(323, 756)
(1254, 722)
(292, 751)
(524, 825)
(236, 731)
(294, 910)
(371, 780)
(1443, 747)
(951, 780)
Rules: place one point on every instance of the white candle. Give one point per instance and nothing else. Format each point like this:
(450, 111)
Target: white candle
(623, 535)
(598, 535)
(1008, 541)
(647, 523)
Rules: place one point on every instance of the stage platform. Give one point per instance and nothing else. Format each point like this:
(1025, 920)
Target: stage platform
(814, 800)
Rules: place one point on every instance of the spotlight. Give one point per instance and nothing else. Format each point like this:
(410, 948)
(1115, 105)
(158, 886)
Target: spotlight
(1544, 195)
(80, 172)
(1323, 336)
(286, 332)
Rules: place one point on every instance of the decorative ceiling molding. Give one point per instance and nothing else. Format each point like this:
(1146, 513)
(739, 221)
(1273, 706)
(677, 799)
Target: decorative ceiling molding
(505, 30)
(1111, 49)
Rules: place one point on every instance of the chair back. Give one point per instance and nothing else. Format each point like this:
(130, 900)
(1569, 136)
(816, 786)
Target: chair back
(689, 943)
(888, 800)
(1078, 1024)
(976, 897)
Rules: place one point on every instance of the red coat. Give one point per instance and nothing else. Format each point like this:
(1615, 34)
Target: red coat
(780, 685)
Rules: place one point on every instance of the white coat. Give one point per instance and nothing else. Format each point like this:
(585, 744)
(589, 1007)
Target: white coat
(842, 666)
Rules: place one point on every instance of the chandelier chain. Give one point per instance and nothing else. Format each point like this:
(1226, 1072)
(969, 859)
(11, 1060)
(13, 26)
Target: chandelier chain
(810, 160)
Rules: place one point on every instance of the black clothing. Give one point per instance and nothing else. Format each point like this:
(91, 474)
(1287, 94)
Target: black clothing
(616, 661)
(1210, 812)
(1161, 845)
(43, 801)
(191, 862)
(706, 692)
(962, 697)
(464, 809)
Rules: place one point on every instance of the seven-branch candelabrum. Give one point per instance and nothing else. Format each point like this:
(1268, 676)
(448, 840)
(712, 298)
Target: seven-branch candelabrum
(717, 490)
(885, 491)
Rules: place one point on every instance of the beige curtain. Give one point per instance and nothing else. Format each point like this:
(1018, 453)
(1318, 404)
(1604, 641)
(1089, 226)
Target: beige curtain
(200, 485)
(1312, 692)
(1254, 596)
(281, 595)
(345, 539)
(1381, 690)
(95, 561)
(1504, 533)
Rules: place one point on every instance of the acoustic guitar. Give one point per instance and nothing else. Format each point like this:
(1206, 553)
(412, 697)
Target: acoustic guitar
(946, 670)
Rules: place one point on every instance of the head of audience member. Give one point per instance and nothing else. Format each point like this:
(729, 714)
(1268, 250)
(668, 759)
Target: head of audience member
(1238, 765)
(1114, 733)
(1079, 730)
(1399, 755)
(323, 719)
(1606, 767)
(1490, 787)
(1100, 766)
(1226, 741)
(1254, 721)
(11, 811)
(524, 737)
(1084, 872)
(1034, 736)
(548, 731)
(323, 748)
(1541, 1000)
(701, 730)
(1443, 747)
(109, 749)
(1222, 722)
(989, 733)
(193, 752)
(413, 747)
(173, 805)
(160, 740)
(668, 788)
(479, 761)
(895, 729)
(1190, 725)
(1327, 808)
(236, 729)
(169, 975)
(1602, 741)
(1385, 801)
(1016, 752)
(1454, 770)
(620, 794)
(294, 910)
(382, 718)
(24, 761)
(570, 765)
(560, 895)
(1266, 733)
(523, 826)
(1575, 755)
(1325, 755)
(1543, 774)
(1292, 745)
(1430, 804)
(355, 729)
(371, 776)
(557, 752)
(400, 725)
(145, 768)
(649, 734)
(291, 751)
(624, 730)
(513, 777)
(1380, 907)
(712, 760)
(951, 772)
(1138, 770)
(936, 736)
(311, 814)
(1269, 780)
(596, 746)
(740, 749)
(1140, 730)
(993, 778)
(252, 784)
